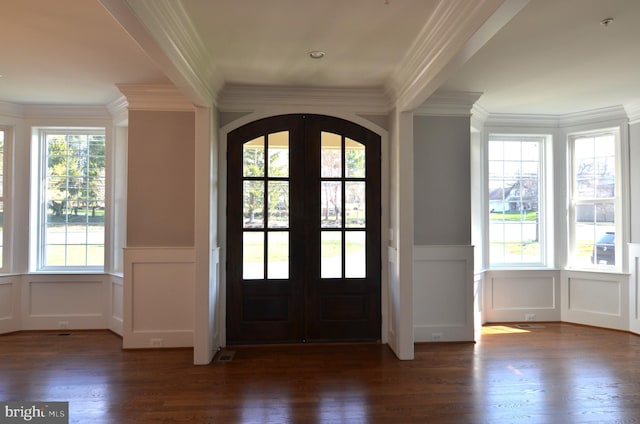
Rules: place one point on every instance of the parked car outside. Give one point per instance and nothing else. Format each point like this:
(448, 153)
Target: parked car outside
(604, 251)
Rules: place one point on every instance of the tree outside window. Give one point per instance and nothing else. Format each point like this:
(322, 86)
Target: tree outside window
(73, 199)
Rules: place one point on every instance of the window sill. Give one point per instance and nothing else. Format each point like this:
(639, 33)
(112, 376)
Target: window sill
(62, 271)
(614, 271)
(521, 268)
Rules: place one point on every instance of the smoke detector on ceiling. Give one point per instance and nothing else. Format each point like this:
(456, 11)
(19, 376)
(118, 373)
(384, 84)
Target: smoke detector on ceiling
(606, 22)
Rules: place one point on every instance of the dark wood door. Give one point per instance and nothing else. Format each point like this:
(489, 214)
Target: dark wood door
(303, 231)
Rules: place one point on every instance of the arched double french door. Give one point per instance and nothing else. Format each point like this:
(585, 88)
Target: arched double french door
(303, 231)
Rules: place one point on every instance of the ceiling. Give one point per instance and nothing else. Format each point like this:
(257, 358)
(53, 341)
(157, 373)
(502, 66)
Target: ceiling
(67, 52)
(552, 57)
(555, 57)
(267, 43)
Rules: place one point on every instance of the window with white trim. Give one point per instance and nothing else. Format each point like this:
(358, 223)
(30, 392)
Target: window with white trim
(595, 202)
(70, 199)
(515, 199)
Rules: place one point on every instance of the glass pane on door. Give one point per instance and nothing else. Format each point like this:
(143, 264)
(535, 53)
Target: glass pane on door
(302, 235)
(253, 255)
(278, 199)
(331, 254)
(278, 255)
(253, 204)
(253, 158)
(355, 202)
(331, 204)
(356, 254)
(279, 154)
(330, 155)
(354, 158)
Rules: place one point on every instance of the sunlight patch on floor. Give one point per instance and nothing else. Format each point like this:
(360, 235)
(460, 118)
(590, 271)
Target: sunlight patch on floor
(502, 329)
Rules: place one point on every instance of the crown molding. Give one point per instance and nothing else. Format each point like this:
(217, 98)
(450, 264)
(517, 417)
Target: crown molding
(246, 98)
(587, 117)
(170, 25)
(119, 110)
(50, 111)
(66, 112)
(448, 103)
(156, 97)
(12, 110)
(633, 112)
(479, 116)
(607, 114)
(448, 34)
(520, 120)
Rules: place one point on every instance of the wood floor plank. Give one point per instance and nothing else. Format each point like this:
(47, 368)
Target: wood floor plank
(560, 373)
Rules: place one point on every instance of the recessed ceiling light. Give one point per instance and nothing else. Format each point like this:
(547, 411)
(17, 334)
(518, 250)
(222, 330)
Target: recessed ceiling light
(316, 54)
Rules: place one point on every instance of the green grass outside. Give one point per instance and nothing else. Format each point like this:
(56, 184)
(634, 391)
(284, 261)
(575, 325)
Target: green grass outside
(279, 252)
(55, 255)
(73, 254)
(513, 216)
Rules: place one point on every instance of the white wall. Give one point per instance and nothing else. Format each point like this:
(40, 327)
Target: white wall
(602, 299)
(514, 296)
(444, 288)
(10, 301)
(59, 302)
(208, 317)
(443, 293)
(634, 287)
(64, 301)
(598, 299)
(159, 297)
(116, 304)
(401, 239)
(634, 179)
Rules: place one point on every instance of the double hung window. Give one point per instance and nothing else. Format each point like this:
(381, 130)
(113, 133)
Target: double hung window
(70, 199)
(594, 200)
(515, 193)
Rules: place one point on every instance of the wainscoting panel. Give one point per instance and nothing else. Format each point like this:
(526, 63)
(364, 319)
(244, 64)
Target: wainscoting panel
(598, 299)
(51, 302)
(6, 300)
(527, 295)
(9, 304)
(443, 293)
(117, 305)
(523, 293)
(595, 296)
(159, 297)
(634, 287)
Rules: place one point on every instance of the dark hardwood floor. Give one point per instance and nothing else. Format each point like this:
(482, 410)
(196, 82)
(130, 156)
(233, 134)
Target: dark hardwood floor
(561, 373)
